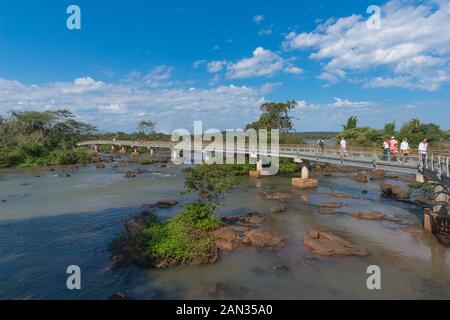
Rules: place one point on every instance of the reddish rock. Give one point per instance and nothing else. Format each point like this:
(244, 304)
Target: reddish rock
(367, 215)
(376, 174)
(328, 244)
(393, 192)
(360, 177)
(226, 245)
(263, 238)
(164, 204)
(332, 205)
(278, 209)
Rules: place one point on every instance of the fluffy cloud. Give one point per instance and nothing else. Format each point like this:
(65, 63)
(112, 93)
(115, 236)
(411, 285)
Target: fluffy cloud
(345, 103)
(216, 66)
(410, 50)
(263, 63)
(120, 106)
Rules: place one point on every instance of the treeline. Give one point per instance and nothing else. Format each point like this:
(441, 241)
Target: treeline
(414, 130)
(32, 138)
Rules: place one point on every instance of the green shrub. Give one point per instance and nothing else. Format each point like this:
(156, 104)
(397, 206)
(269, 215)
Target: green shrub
(185, 239)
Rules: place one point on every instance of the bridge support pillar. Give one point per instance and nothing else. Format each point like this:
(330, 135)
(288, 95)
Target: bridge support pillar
(304, 182)
(440, 200)
(151, 152)
(259, 169)
(428, 217)
(123, 150)
(420, 178)
(135, 153)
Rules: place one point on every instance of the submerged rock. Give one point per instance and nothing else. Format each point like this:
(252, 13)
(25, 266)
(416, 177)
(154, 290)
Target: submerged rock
(327, 211)
(164, 204)
(251, 219)
(342, 195)
(278, 209)
(133, 173)
(280, 196)
(367, 215)
(328, 244)
(100, 165)
(332, 205)
(119, 296)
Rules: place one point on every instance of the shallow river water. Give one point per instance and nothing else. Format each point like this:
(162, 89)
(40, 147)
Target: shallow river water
(49, 222)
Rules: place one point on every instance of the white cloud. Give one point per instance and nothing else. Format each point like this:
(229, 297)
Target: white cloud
(263, 63)
(216, 66)
(345, 103)
(265, 32)
(119, 106)
(410, 50)
(259, 18)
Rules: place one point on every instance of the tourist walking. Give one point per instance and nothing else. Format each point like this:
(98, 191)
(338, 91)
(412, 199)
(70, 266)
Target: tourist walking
(343, 148)
(405, 150)
(393, 148)
(423, 152)
(321, 144)
(385, 149)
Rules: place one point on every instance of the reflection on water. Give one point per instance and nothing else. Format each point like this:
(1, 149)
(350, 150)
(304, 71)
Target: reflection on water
(48, 223)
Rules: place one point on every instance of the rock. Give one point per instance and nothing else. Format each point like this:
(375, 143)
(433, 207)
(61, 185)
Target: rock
(110, 159)
(3, 201)
(119, 296)
(332, 205)
(305, 183)
(228, 234)
(223, 291)
(326, 211)
(250, 219)
(376, 174)
(133, 173)
(342, 195)
(278, 209)
(360, 177)
(164, 204)
(73, 168)
(393, 192)
(280, 267)
(263, 238)
(100, 165)
(364, 192)
(328, 244)
(277, 196)
(413, 229)
(367, 215)
(226, 245)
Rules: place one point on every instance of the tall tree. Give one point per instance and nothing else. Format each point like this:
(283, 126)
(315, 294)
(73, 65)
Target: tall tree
(275, 115)
(146, 126)
(352, 123)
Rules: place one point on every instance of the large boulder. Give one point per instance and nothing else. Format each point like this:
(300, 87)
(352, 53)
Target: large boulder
(328, 244)
(263, 238)
(393, 192)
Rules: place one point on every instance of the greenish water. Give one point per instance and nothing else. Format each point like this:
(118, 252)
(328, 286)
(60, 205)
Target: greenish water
(50, 222)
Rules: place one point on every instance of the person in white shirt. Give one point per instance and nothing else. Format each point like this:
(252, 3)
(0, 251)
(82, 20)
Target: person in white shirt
(343, 147)
(405, 149)
(423, 149)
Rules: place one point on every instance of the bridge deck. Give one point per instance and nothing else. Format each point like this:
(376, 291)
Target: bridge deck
(436, 165)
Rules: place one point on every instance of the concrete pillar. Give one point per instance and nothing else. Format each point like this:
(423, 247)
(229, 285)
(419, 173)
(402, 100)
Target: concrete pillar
(305, 173)
(304, 182)
(441, 200)
(123, 150)
(151, 152)
(420, 178)
(428, 220)
(112, 148)
(259, 165)
(135, 153)
(259, 168)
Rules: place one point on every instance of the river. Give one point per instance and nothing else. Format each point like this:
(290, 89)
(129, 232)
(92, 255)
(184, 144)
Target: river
(49, 222)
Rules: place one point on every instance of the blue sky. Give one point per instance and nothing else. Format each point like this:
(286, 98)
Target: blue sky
(216, 61)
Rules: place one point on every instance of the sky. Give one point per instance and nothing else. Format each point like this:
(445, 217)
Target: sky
(176, 62)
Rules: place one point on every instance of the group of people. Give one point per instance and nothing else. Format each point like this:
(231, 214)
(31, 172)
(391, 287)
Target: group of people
(391, 150)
